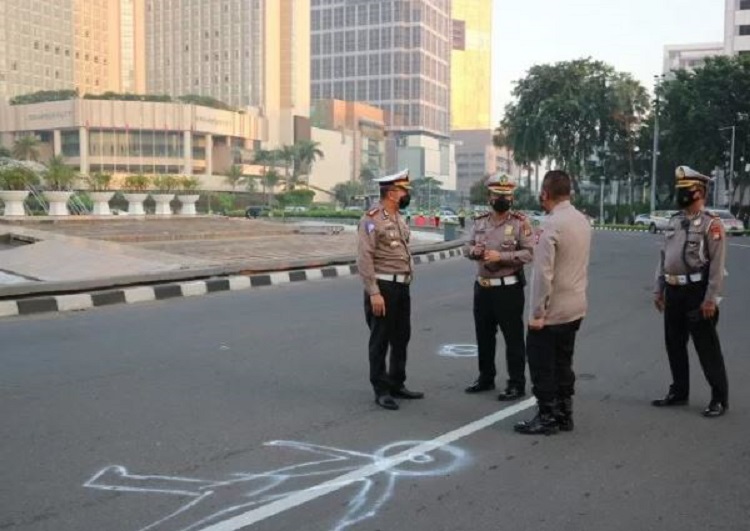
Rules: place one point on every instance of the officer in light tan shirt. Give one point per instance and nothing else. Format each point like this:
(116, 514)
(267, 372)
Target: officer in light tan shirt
(501, 243)
(557, 305)
(385, 266)
(689, 281)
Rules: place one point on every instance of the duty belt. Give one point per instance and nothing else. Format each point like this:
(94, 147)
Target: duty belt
(683, 280)
(502, 281)
(398, 278)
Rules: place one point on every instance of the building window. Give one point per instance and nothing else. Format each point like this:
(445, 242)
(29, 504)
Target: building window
(745, 30)
(744, 5)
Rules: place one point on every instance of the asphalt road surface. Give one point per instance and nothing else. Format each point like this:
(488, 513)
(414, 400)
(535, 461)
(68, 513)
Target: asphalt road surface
(252, 410)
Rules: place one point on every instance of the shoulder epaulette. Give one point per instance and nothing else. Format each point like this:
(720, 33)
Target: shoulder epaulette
(480, 216)
(373, 211)
(678, 213)
(518, 215)
(712, 215)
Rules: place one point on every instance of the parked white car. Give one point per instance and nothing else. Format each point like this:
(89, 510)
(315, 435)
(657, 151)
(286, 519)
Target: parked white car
(732, 225)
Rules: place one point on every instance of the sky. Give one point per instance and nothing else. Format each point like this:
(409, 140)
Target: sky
(630, 35)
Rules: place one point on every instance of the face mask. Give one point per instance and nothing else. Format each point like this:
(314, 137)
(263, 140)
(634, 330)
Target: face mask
(501, 205)
(404, 201)
(685, 197)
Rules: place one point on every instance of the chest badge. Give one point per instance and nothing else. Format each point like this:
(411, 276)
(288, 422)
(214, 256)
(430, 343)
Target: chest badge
(508, 230)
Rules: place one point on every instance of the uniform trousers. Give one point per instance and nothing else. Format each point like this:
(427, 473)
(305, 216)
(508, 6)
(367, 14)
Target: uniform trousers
(392, 330)
(682, 320)
(500, 306)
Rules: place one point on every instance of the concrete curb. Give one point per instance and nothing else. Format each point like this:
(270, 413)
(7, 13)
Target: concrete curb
(192, 288)
(608, 229)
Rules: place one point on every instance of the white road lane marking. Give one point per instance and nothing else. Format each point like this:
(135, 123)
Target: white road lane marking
(295, 500)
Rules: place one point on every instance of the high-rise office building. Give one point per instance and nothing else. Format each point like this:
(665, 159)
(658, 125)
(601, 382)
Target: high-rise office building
(244, 53)
(737, 27)
(471, 65)
(92, 46)
(37, 46)
(471, 95)
(395, 55)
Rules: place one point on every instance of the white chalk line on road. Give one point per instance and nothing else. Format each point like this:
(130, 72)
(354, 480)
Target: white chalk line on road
(295, 500)
(739, 245)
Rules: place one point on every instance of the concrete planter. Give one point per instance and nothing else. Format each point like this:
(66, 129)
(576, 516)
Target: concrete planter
(58, 202)
(188, 204)
(162, 204)
(101, 203)
(13, 200)
(135, 203)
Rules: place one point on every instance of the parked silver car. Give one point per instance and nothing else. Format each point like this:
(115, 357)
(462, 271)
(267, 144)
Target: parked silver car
(658, 220)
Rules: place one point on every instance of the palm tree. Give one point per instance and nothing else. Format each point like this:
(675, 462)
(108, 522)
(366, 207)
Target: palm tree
(26, 148)
(270, 180)
(307, 151)
(288, 155)
(234, 176)
(59, 177)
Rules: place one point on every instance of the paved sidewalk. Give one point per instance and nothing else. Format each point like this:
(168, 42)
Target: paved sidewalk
(84, 249)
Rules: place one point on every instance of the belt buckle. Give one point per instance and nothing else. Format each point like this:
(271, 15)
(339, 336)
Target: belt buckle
(485, 282)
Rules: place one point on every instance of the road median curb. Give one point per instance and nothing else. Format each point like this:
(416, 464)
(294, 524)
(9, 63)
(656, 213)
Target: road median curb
(75, 296)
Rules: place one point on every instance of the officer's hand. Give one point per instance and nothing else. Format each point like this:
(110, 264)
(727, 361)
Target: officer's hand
(708, 309)
(659, 302)
(492, 256)
(536, 324)
(378, 305)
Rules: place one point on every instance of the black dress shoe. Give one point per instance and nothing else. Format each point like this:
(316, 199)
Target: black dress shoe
(715, 408)
(386, 402)
(544, 423)
(670, 400)
(403, 392)
(479, 386)
(511, 393)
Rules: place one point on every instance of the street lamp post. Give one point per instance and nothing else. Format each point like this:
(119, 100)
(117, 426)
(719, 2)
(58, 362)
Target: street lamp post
(731, 162)
(655, 153)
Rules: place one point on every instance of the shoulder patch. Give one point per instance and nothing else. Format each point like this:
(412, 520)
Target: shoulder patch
(716, 231)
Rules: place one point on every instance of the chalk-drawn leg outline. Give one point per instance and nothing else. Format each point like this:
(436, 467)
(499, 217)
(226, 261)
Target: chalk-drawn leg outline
(244, 491)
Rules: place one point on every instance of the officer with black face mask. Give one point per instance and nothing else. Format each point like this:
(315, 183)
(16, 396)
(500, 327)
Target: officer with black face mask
(500, 243)
(688, 287)
(385, 266)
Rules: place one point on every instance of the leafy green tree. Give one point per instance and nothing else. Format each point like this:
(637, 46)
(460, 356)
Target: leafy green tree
(347, 192)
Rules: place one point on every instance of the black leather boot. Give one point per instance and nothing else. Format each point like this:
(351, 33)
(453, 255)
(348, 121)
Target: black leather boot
(544, 423)
(564, 414)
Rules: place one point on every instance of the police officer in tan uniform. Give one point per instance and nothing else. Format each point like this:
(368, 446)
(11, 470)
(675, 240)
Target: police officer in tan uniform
(385, 266)
(557, 306)
(500, 243)
(688, 286)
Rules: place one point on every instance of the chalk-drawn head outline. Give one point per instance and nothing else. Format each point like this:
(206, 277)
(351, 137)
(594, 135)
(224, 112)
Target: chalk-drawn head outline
(244, 491)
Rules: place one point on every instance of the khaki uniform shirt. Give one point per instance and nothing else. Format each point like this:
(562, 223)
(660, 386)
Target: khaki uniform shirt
(382, 247)
(512, 236)
(694, 244)
(561, 261)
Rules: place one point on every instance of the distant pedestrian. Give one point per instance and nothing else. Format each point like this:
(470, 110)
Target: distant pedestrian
(462, 218)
